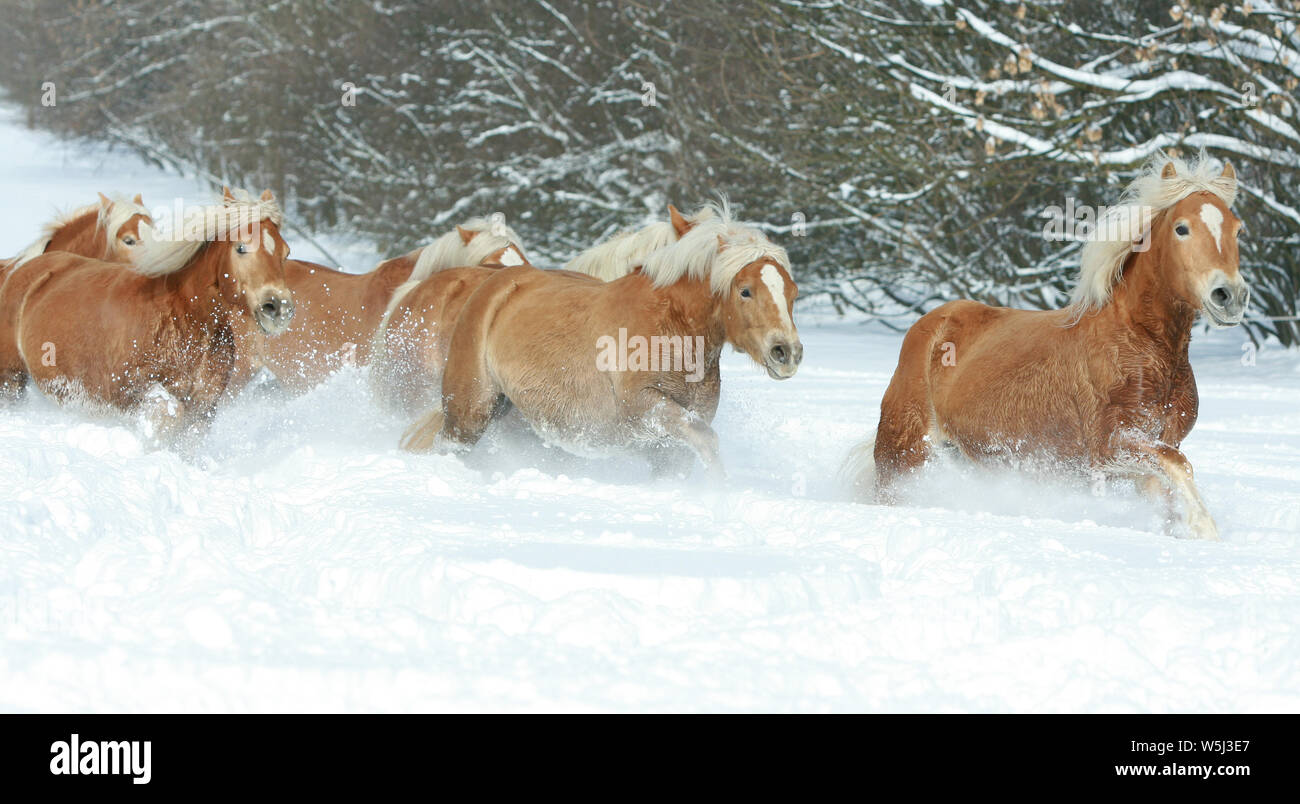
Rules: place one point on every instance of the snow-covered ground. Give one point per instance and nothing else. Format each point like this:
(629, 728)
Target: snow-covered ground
(301, 562)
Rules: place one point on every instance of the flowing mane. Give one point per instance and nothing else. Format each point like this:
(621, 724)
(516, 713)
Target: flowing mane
(451, 250)
(618, 255)
(717, 248)
(110, 218)
(174, 250)
(1104, 255)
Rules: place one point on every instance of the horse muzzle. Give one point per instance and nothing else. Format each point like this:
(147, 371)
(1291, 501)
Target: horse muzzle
(1225, 303)
(274, 312)
(782, 358)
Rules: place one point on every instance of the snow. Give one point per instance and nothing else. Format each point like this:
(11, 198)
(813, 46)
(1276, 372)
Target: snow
(300, 562)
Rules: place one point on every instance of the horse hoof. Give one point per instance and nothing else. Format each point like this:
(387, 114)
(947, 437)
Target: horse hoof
(1202, 528)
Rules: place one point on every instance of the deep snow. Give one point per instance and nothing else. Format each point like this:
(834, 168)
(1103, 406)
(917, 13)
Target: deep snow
(301, 562)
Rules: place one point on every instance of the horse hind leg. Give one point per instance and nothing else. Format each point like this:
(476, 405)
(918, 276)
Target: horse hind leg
(471, 399)
(905, 433)
(13, 368)
(902, 447)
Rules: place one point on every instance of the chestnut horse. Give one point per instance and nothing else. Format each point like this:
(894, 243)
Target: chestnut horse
(111, 230)
(411, 345)
(1104, 385)
(337, 313)
(556, 345)
(154, 337)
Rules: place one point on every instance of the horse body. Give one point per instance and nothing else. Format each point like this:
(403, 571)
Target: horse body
(540, 371)
(336, 315)
(532, 340)
(157, 340)
(413, 340)
(1059, 393)
(180, 341)
(1102, 386)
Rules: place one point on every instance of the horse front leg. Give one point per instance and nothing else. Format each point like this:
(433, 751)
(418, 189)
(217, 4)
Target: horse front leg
(1169, 483)
(681, 426)
(162, 415)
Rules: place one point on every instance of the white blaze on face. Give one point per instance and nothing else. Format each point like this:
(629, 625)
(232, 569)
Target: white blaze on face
(771, 277)
(268, 242)
(1214, 222)
(511, 256)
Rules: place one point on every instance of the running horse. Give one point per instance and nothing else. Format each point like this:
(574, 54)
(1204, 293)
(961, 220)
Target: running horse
(338, 313)
(410, 346)
(542, 342)
(153, 337)
(112, 230)
(1103, 385)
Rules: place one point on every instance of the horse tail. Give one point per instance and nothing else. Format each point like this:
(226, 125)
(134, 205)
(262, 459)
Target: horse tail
(383, 374)
(859, 471)
(402, 291)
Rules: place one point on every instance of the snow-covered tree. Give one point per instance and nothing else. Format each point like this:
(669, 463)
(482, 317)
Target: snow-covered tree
(907, 152)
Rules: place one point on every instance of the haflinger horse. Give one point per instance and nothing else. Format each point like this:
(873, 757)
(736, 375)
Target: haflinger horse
(113, 230)
(338, 313)
(153, 337)
(411, 344)
(1103, 385)
(548, 343)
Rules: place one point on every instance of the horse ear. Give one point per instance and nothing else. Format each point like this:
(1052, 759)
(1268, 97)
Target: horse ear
(104, 201)
(680, 224)
(267, 196)
(466, 235)
(139, 200)
(1169, 171)
(226, 195)
(1229, 172)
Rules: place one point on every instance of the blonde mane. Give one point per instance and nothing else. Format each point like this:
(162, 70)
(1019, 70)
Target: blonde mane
(109, 218)
(1104, 255)
(451, 251)
(623, 252)
(171, 252)
(716, 249)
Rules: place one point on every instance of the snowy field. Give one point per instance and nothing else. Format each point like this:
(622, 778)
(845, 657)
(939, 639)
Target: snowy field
(301, 562)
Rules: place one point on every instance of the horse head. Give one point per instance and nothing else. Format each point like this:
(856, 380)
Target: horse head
(757, 314)
(1199, 237)
(251, 269)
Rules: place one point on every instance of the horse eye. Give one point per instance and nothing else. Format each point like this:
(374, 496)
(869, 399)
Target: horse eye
(130, 241)
(1182, 230)
(745, 292)
(241, 249)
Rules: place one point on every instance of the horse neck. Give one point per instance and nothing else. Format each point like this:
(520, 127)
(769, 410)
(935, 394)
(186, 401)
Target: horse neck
(195, 289)
(1144, 303)
(82, 235)
(692, 309)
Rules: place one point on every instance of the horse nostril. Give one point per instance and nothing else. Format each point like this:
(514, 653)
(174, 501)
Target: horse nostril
(1220, 296)
(779, 354)
(271, 308)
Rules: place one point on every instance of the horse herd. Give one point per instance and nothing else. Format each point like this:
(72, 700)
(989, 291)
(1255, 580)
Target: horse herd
(104, 311)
